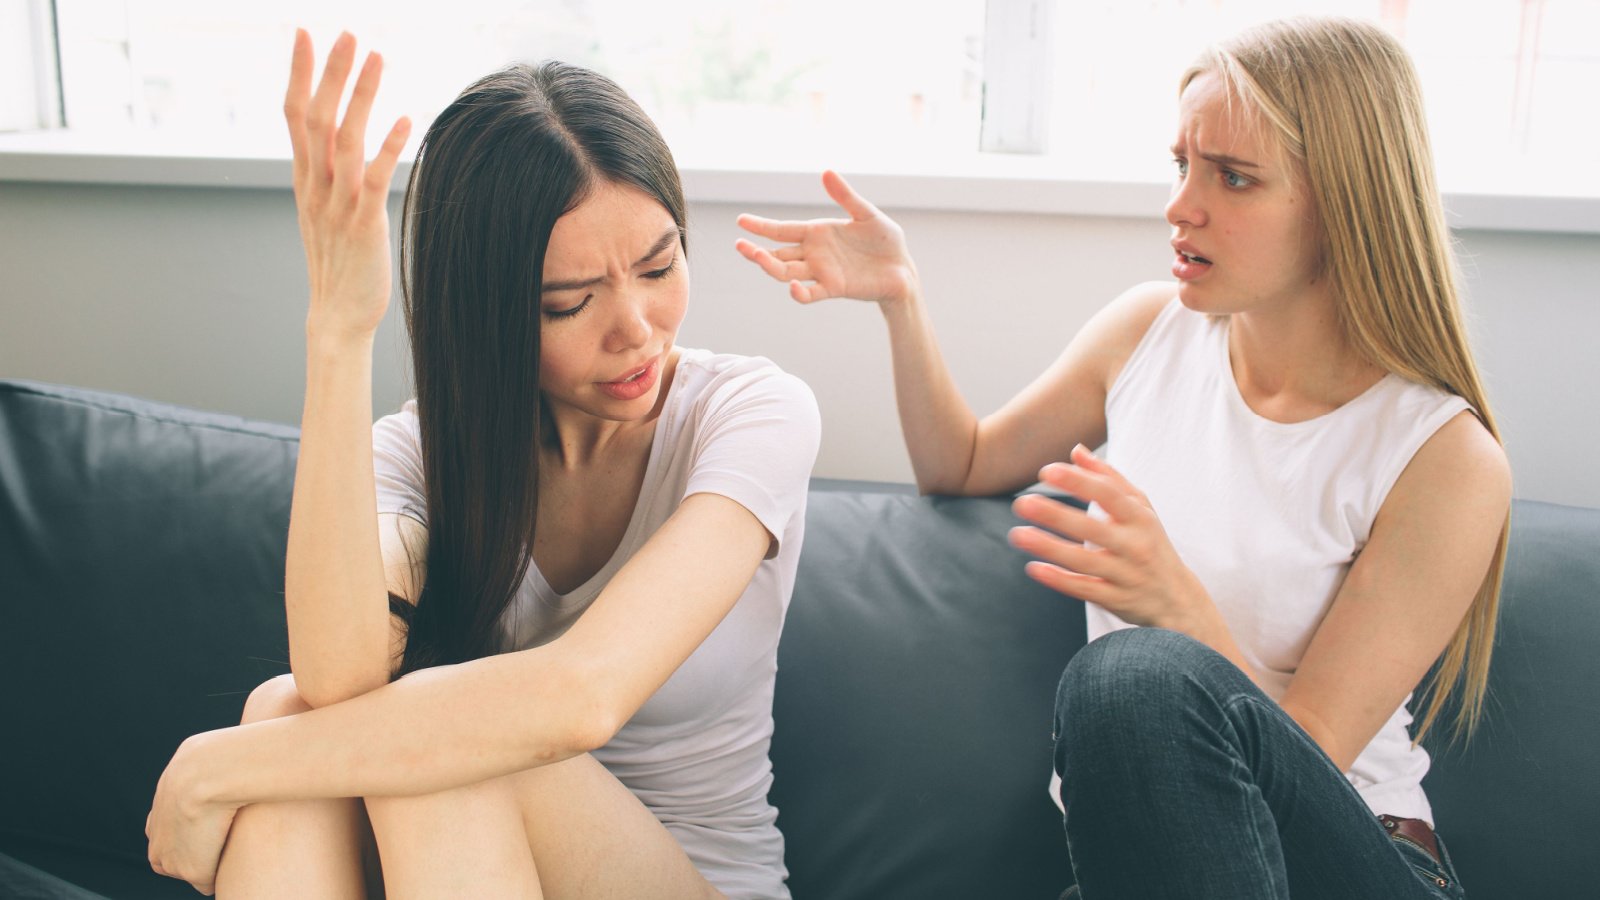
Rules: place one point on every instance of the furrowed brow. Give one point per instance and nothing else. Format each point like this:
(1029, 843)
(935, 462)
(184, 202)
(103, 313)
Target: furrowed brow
(662, 243)
(1232, 162)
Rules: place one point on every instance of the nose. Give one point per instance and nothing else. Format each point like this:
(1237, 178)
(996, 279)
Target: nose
(1184, 207)
(630, 329)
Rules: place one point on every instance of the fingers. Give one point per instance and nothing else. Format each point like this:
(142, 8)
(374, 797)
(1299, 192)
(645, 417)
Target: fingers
(1074, 584)
(1064, 519)
(773, 229)
(1064, 553)
(771, 263)
(1082, 456)
(808, 293)
(350, 142)
(842, 194)
(380, 172)
(325, 105)
(298, 98)
(1095, 487)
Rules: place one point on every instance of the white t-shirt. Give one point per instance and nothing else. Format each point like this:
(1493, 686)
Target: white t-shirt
(1268, 515)
(696, 752)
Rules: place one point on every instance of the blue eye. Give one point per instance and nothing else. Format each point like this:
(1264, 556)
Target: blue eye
(1183, 167)
(1234, 179)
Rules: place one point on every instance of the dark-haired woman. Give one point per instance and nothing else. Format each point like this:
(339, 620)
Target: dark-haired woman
(586, 705)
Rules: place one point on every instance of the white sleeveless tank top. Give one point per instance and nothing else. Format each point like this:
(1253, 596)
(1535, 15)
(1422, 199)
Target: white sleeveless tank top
(1269, 515)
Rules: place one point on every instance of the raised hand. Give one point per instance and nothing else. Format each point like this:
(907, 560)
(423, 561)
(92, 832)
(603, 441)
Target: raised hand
(1125, 562)
(863, 257)
(341, 198)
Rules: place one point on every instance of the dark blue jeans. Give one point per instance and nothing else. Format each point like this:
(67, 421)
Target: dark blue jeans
(1181, 779)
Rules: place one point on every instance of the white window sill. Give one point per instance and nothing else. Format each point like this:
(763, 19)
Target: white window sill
(983, 184)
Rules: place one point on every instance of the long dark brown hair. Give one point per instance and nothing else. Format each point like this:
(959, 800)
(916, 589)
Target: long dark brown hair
(516, 151)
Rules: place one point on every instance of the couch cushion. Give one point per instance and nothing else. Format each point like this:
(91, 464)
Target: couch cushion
(916, 678)
(1519, 805)
(142, 552)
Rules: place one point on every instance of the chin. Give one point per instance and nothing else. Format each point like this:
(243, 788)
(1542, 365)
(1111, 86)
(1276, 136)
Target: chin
(1194, 298)
(1203, 300)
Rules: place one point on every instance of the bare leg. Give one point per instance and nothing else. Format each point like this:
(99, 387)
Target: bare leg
(310, 849)
(570, 829)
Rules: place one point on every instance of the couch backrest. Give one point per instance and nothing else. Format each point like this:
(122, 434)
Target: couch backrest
(916, 680)
(141, 577)
(141, 598)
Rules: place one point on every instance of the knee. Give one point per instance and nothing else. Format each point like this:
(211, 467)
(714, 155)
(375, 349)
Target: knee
(274, 699)
(1130, 678)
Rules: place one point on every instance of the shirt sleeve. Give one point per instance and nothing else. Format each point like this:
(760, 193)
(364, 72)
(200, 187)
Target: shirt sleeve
(397, 464)
(756, 444)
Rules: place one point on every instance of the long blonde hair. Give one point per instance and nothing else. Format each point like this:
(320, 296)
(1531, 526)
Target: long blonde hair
(1344, 100)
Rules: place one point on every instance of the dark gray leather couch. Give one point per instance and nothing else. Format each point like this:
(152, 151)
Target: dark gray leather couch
(141, 570)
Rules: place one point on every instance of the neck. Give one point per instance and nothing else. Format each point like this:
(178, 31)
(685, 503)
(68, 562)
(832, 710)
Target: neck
(574, 439)
(1296, 361)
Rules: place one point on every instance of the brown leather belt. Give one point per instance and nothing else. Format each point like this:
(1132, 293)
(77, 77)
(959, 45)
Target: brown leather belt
(1414, 830)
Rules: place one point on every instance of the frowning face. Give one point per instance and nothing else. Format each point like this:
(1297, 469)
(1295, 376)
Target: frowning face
(615, 289)
(1245, 233)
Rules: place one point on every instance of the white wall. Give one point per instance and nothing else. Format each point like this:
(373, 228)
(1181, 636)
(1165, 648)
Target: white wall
(196, 296)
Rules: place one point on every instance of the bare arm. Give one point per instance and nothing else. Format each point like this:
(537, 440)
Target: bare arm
(1403, 599)
(339, 625)
(454, 725)
(952, 451)
(1407, 592)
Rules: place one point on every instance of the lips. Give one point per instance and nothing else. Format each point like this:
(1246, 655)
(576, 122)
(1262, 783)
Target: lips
(633, 383)
(1189, 253)
(631, 375)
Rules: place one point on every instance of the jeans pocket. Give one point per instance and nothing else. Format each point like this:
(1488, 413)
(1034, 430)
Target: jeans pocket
(1433, 874)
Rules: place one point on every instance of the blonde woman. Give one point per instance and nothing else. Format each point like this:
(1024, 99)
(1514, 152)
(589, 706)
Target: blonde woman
(1302, 493)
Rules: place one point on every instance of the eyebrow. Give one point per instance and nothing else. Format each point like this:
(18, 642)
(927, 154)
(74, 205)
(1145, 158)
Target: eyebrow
(662, 243)
(1222, 159)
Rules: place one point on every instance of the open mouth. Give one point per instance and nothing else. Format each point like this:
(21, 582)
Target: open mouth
(1190, 257)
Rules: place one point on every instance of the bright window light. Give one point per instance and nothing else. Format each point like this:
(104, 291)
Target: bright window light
(893, 85)
(732, 82)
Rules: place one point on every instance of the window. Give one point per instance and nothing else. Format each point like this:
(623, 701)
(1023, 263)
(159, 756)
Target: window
(1505, 82)
(895, 85)
(795, 78)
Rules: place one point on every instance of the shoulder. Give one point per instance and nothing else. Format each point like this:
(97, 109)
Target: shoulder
(1460, 471)
(402, 423)
(1111, 336)
(722, 383)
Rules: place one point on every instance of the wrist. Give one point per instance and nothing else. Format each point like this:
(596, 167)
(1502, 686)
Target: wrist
(905, 299)
(196, 774)
(329, 339)
(1195, 615)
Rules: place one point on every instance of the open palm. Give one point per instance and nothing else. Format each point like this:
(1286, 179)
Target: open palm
(341, 198)
(863, 257)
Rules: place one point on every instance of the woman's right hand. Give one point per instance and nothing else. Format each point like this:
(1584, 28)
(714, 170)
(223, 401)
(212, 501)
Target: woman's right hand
(863, 257)
(341, 198)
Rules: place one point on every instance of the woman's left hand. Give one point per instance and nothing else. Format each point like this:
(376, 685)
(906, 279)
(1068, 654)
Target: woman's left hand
(1125, 563)
(186, 831)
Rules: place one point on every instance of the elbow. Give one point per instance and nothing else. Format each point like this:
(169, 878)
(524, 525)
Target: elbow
(319, 690)
(591, 732)
(596, 715)
(579, 711)
(942, 487)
